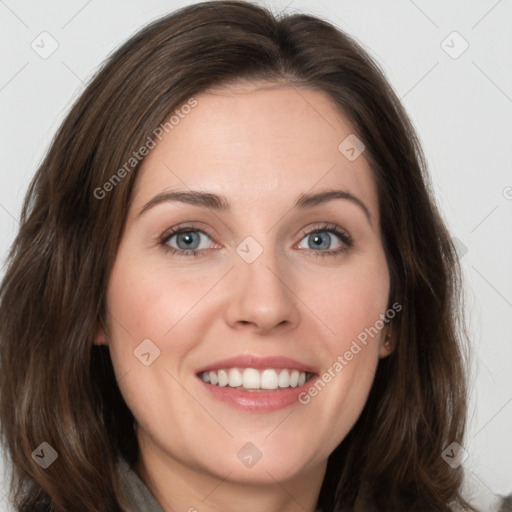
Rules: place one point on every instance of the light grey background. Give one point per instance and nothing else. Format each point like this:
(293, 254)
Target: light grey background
(461, 107)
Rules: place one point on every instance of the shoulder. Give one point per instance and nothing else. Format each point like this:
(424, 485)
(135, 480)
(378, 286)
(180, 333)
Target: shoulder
(506, 504)
(137, 496)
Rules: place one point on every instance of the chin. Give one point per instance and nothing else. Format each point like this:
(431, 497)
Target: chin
(266, 461)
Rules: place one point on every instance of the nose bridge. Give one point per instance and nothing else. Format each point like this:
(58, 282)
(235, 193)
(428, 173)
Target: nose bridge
(261, 262)
(262, 292)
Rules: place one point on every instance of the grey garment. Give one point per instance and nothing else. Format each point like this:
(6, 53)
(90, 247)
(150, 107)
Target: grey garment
(140, 499)
(135, 492)
(506, 504)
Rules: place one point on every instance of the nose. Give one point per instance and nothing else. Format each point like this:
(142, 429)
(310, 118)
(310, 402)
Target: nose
(263, 296)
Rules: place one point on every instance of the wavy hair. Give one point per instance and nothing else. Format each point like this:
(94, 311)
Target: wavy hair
(57, 387)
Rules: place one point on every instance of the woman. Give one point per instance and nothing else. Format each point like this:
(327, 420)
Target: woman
(231, 287)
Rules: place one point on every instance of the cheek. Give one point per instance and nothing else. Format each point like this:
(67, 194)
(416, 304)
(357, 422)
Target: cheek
(136, 323)
(145, 341)
(352, 306)
(353, 302)
(149, 302)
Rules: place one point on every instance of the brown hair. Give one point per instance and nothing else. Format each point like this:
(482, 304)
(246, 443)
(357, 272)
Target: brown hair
(57, 387)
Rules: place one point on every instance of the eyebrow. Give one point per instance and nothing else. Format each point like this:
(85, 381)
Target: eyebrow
(220, 203)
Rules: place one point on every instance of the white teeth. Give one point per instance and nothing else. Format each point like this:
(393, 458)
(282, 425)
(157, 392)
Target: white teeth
(223, 377)
(284, 379)
(252, 379)
(269, 379)
(235, 378)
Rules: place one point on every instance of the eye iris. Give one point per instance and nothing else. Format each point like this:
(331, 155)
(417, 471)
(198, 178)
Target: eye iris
(188, 238)
(317, 240)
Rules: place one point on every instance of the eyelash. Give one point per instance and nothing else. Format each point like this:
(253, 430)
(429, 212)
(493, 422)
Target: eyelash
(325, 228)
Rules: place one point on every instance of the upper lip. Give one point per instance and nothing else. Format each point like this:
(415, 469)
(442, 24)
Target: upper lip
(257, 362)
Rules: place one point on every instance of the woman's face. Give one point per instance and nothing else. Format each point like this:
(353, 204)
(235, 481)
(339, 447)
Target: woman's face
(271, 295)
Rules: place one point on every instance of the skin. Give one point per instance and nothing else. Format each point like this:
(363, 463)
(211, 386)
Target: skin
(260, 146)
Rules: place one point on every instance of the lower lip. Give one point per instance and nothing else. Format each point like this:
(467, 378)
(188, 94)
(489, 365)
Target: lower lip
(258, 400)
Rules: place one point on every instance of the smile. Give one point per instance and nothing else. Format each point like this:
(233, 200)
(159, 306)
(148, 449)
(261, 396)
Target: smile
(252, 379)
(256, 383)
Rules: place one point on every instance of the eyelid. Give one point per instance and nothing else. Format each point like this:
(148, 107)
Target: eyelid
(330, 228)
(164, 238)
(342, 234)
(184, 227)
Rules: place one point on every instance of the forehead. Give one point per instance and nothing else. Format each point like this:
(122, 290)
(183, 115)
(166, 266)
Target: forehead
(257, 143)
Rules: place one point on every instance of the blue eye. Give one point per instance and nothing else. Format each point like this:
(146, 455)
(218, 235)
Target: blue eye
(187, 241)
(320, 241)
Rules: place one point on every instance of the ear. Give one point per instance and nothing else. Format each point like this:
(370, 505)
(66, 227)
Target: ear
(386, 342)
(100, 337)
